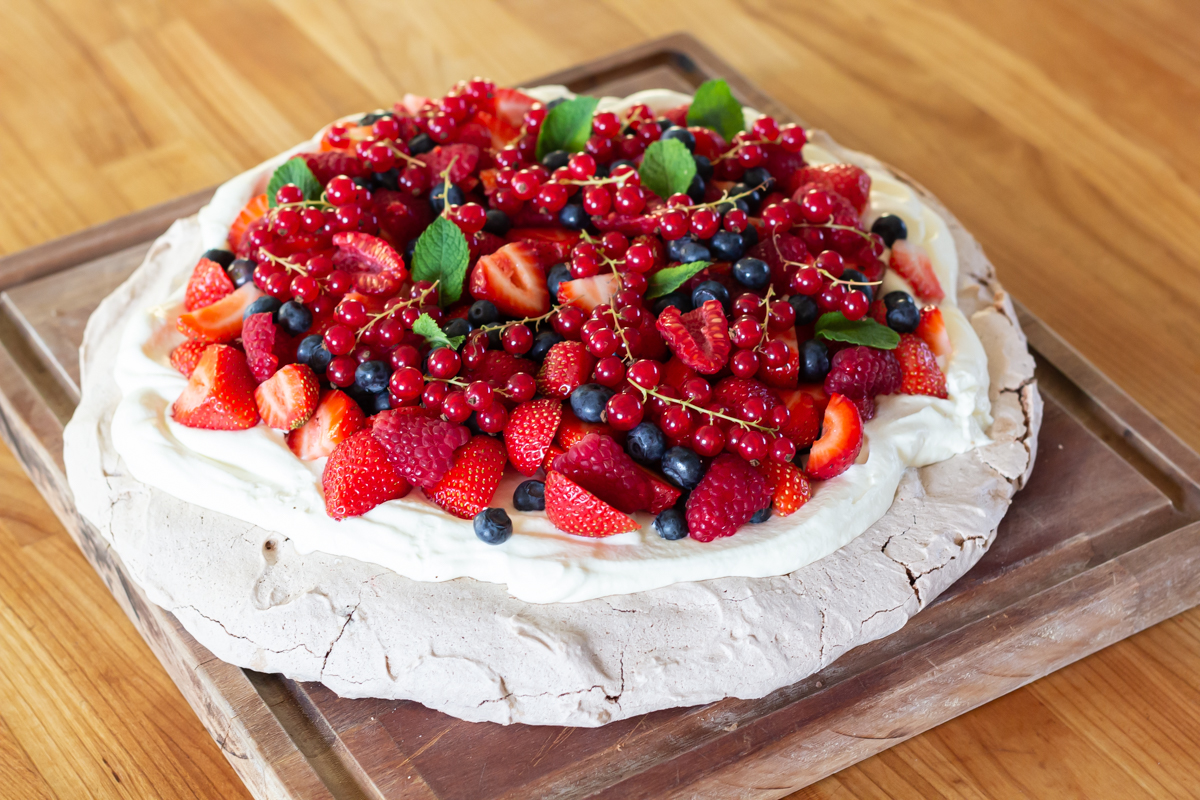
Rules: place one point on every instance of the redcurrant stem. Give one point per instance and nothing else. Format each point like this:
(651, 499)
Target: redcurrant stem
(535, 320)
(446, 187)
(766, 306)
(463, 384)
(396, 151)
(387, 312)
(733, 151)
(706, 412)
(824, 272)
(725, 198)
(287, 264)
(322, 203)
(621, 179)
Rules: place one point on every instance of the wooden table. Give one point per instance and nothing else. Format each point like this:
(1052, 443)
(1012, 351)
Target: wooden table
(1058, 132)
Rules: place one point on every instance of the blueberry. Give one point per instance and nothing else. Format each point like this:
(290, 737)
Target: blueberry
(621, 162)
(483, 312)
(409, 248)
(710, 290)
(497, 222)
(753, 273)
(904, 318)
(663, 123)
(388, 179)
(241, 271)
(752, 196)
(542, 344)
(559, 273)
(263, 305)
(704, 167)
(696, 189)
(890, 228)
(855, 275)
(674, 246)
(814, 362)
(493, 335)
(646, 443)
(758, 178)
(682, 134)
(455, 196)
(530, 496)
(726, 206)
(805, 308)
(222, 257)
(456, 327)
(493, 526)
(376, 402)
(727, 246)
(573, 216)
(750, 235)
(893, 299)
(677, 299)
(372, 376)
(309, 349)
(671, 525)
(294, 317)
(555, 159)
(691, 251)
(555, 103)
(762, 515)
(370, 119)
(421, 143)
(682, 467)
(588, 401)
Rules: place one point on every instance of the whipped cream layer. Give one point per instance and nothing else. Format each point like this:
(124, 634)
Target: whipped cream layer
(252, 476)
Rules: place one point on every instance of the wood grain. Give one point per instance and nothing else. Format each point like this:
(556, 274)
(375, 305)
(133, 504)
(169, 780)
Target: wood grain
(1062, 132)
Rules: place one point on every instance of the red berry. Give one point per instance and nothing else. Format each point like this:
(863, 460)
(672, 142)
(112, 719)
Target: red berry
(552, 197)
(624, 411)
(520, 386)
(341, 370)
(582, 166)
(517, 339)
(630, 200)
(745, 332)
(597, 201)
(432, 396)
(351, 313)
(705, 223)
(407, 383)
(830, 298)
(816, 206)
(535, 116)
(568, 321)
(525, 184)
(673, 224)
(602, 343)
(697, 390)
(806, 281)
(677, 422)
(341, 191)
(640, 257)
(854, 305)
(783, 450)
(751, 156)
(339, 340)
(609, 371)
(305, 289)
(455, 406)
(753, 446)
(775, 353)
(614, 244)
(470, 217)
(386, 128)
(508, 157)
(645, 373)
(289, 193)
(765, 128)
(444, 363)
(776, 218)
(404, 356)
(606, 124)
(754, 409)
(832, 262)
(792, 138)
(708, 440)
(479, 394)
(492, 418)
(736, 220)
(744, 363)
(601, 148)
(782, 316)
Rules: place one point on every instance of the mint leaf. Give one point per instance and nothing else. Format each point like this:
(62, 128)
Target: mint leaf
(434, 335)
(294, 170)
(866, 331)
(667, 168)
(442, 255)
(668, 280)
(713, 107)
(567, 126)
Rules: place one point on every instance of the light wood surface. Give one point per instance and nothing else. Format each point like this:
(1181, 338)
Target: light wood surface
(1062, 134)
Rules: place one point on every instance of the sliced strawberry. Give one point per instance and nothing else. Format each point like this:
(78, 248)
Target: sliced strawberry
(221, 321)
(600, 465)
(573, 509)
(185, 357)
(421, 446)
(374, 265)
(817, 392)
(789, 487)
(208, 284)
(912, 263)
(571, 429)
(513, 279)
(337, 418)
(288, 398)
(785, 375)
(219, 394)
(511, 105)
(555, 242)
(567, 366)
(253, 210)
(502, 132)
(358, 476)
(552, 452)
(851, 182)
(804, 418)
(471, 483)
(531, 428)
(259, 336)
(587, 293)
(700, 337)
(920, 369)
(932, 328)
(728, 495)
(459, 159)
(840, 442)
(662, 494)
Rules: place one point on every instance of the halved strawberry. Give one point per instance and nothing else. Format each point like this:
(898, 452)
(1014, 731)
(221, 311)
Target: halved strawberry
(587, 293)
(220, 393)
(471, 483)
(573, 509)
(185, 357)
(253, 210)
(513, 279)
(556, 243)
(530, 430)
(552, 452)
(571, 429)
(920, 369)
(600, 465)
(358, 476)
(502, 132)
(511, 105)
(459, 159)
(221, 321)
(840, 442)
(789, 487)
(208, 284)
(932, 328)
(662, 494)
(337, 418)
(374, 265)
(567, 366)
(851, 182)
(818, 394)
(912, 263)
(700, 337)
(804, 418)
(288, 398)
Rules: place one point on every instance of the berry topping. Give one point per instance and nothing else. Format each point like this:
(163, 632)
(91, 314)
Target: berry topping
(890, 228)
(531, 428)
(804, 417)
(359, 476)
(932, 329)
(565, 368)
(922, 375)
(662, 494)
(726, 498)
(573, 509)
(789, 487)
(288, 398)
(849, 181)
(683, 467)
(259, 340)
(860, 373)
(185, 357)
(493, 526)
(600, 465)
(587, 293)
(221, 321)
(208, 284)
(530, 496)
(373, 265)
(912, 263)
(422, 447)
(336, 419)
(900, 313)
(513, 279)
(671, 525)
(840, 442)
(219, 394)
(700, 337)
(471, 483)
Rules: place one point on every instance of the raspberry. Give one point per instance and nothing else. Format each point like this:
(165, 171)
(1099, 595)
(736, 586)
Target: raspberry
(726, 498)
(700, 337)
(921, 374)
(598, 464)
(860, 373)
(422, 448)
(258, 339)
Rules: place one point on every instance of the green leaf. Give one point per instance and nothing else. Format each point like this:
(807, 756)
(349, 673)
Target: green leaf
(866, 331)
(434, 335)
(442, 255)
(667, 168)
(294, 170)
(668, 280)
(713, 107)
(567, 126)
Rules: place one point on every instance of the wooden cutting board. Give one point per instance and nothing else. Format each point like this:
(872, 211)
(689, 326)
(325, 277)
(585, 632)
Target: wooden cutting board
(1103, 542)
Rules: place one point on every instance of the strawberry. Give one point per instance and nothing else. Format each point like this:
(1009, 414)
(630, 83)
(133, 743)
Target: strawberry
(374, 265)
(851, 182)
(185, 357)
(337, 417)
(459, 159)
(840, 442)
(498, 366)
(221, 321)
(530, 430)
(700, 337)
(219, 394)
(878, 311)
(782, 252)
(789, 487)
(471, 483)
(912, 263)
(502, 132)
(662, 494)
(208, 284)
(258, 340)
(932, 328)
(782, 164)
(358, 476)
(785, 375)
(804, 418)
(254, 210)
(552, 452)
(860, 373)
(328, 165)
(567, 366)
(513, 279)
(288, 398)
(733, 392)
(573, 509)
(818, 394)
(726, 498)
(511, 105)
(600, 465)
(922, 375)
(572, 429)
(421, 446)
(587, 293)
(556, 243)
(675, 372)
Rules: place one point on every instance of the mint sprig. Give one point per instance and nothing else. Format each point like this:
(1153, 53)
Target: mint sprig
(434, 335)
(442, 255)
(667, 168)
(714, 107)
(668, 280)
(567, 126)
(835, 327)
(294, 170)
